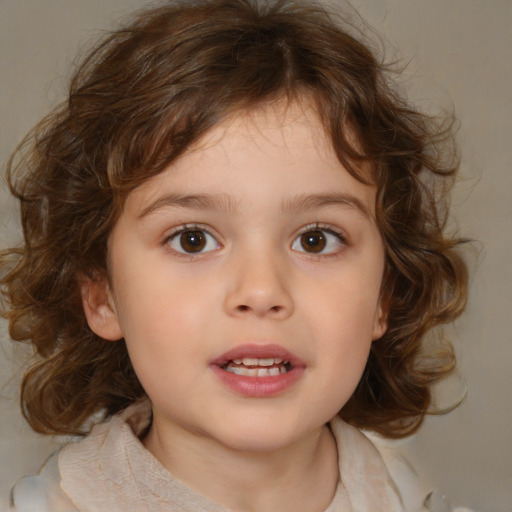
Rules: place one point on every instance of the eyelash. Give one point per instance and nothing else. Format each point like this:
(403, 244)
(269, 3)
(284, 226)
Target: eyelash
(323, 228)
(317, 227)
(186, 229)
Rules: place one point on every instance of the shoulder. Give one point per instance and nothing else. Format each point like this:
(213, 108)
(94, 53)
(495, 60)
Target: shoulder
(417, 492)
(363, 472)
(82, 472)
(41, 492)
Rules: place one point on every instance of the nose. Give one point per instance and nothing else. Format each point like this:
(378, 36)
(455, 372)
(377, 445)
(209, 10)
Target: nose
(259, 287)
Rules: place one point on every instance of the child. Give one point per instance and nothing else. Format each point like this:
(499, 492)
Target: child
(234, 248)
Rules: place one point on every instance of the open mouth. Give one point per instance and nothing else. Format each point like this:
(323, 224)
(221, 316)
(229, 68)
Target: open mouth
(258, 370)
(257, 367)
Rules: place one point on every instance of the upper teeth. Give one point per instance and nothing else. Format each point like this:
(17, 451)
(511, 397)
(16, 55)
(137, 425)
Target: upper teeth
(251, 361)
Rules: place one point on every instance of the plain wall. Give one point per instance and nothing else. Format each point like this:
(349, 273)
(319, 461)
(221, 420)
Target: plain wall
(460, 52)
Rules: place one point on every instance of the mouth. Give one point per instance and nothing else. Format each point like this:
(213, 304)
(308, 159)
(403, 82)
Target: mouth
(258, 367)
(257, 371)
(255, 360)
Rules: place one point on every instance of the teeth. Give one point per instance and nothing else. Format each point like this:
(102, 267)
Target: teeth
(258, 367)
(256, 372)
(251, 361)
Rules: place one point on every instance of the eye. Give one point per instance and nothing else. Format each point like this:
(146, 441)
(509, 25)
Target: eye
(318, 241)
(192, 241)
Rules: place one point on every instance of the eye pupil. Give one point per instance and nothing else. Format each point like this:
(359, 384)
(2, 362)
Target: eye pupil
(313, 241)
(192, 241)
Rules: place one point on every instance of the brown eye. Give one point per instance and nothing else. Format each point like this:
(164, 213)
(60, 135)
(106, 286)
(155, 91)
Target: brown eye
(321, 241)
(313, 241)
(193, 241)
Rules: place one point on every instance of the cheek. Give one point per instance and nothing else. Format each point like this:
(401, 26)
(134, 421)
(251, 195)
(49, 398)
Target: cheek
(344, 306)
(154, 294)
(342, 326)
(163, 319)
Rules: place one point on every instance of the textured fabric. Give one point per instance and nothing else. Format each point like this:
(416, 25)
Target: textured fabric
(110, 470)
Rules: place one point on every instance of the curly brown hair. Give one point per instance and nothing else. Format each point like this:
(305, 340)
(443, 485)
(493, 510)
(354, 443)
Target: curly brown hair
(138, 101)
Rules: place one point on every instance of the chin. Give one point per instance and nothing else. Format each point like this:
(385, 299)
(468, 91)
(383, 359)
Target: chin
(260, 437)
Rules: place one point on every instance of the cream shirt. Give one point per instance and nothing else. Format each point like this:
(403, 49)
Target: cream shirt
(111, 471)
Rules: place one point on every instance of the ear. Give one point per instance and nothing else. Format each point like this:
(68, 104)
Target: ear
(380, 322)
(99, 308)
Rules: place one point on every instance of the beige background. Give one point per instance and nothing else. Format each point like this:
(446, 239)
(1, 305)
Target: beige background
(461, 52)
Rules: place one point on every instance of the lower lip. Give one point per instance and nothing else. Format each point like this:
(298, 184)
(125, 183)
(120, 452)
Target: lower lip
(258, 387)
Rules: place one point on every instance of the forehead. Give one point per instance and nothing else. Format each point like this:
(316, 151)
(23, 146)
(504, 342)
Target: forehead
(275, 128)
(260, 149)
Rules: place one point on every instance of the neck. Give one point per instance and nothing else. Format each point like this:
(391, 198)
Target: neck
(299, 477)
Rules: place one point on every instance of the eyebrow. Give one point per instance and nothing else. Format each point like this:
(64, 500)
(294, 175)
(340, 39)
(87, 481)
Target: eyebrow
(223, 202)
(193, 201)
(306, 202)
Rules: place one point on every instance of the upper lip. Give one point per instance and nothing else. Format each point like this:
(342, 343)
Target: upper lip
(258, 351)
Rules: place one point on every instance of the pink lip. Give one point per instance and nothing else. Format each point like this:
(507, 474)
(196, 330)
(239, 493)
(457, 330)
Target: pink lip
(258, 387)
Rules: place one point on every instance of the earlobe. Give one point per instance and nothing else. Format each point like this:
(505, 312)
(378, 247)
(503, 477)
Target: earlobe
(99, 308)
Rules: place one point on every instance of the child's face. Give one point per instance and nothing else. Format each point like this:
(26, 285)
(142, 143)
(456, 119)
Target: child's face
(260, 245)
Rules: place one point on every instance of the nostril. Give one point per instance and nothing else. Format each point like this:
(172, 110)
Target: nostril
(244, 308)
